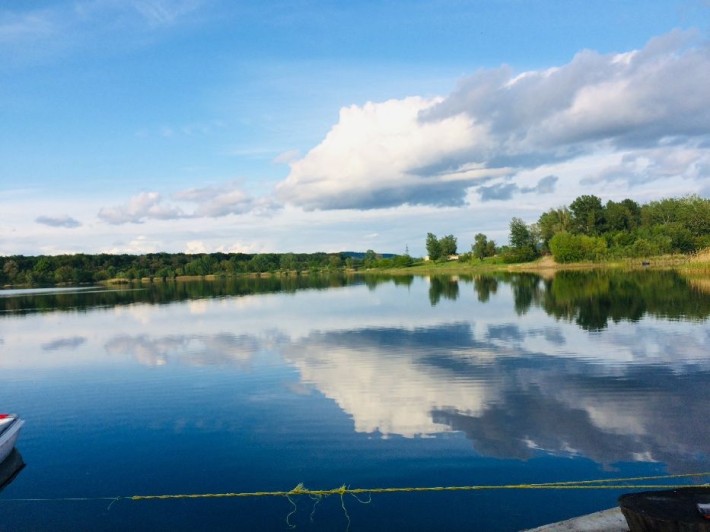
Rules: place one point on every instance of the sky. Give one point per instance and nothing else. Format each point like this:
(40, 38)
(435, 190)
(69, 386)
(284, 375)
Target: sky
(139, 126)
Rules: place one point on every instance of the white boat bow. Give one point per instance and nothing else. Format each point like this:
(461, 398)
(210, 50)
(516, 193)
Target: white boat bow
(10, 426)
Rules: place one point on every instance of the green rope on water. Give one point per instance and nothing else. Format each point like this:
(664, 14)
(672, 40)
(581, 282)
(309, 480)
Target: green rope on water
(345, 510)
(318, 495)
(301, 490)
(295, 509)
(315, 500)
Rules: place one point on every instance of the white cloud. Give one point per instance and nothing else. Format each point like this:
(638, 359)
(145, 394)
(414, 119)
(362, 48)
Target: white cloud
(377, 156)
(138, 244)
(195, 247)
(213, 201)
(649, 105)
(689, 162)
(146, 205)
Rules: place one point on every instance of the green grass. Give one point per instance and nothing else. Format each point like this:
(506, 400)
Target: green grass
(697, 263)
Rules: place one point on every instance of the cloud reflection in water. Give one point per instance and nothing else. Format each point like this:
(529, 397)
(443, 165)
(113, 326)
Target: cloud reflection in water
(519, 364)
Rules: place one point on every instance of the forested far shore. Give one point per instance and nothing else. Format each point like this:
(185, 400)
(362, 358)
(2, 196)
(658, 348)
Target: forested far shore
(20, 270)
(585, 231)
(589, 230)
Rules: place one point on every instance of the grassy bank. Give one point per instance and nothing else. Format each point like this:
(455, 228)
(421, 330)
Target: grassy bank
(693, 265)
(698, 263)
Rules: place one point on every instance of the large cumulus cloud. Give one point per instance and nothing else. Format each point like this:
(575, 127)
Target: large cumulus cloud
(639, 97)
(640, 106)
(381, 154)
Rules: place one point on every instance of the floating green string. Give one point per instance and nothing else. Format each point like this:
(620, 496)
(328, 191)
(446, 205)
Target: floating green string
(301, 490)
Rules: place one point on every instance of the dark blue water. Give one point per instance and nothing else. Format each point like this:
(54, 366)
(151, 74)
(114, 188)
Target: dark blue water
(261, 385)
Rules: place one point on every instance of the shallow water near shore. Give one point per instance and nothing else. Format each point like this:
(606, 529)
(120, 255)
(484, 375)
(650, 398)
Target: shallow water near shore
(245, 385)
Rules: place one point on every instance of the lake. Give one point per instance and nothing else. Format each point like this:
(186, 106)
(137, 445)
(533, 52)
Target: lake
(244, 385)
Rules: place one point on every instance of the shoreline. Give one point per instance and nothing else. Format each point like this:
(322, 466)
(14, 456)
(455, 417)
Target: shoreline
(545, 265)
(693, 265)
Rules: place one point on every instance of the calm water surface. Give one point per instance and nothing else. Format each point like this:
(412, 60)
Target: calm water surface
(247, 385)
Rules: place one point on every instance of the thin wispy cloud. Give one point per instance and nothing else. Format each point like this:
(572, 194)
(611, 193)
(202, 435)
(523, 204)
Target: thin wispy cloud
(213, 201)
(165, 12)
(687, 160)
(216, 201)
(74, 26)
(133, 13)
(23, 27)
(144, 206)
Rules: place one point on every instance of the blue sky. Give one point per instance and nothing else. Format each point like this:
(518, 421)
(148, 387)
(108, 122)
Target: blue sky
(207, 125)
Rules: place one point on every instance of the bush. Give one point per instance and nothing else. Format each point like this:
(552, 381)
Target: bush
(514, 255)
(566, 247)
(644, 248)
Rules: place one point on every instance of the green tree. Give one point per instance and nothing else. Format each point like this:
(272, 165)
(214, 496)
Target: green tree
(433, 247)
(370, 259)
(520, 236)
(10, 268)
(691, 211)
(482, 247)
(165, 273)
(447, 245)
(587, 215)
(335, 262)
(43, 270)
(523, 242)
(64, 274)
(622, 216)
(259, 263)
(552, 222)
(403, 261)
(287, 262)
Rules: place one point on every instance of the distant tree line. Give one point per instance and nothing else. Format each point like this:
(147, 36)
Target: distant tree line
(85, 268)
(588, 230)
